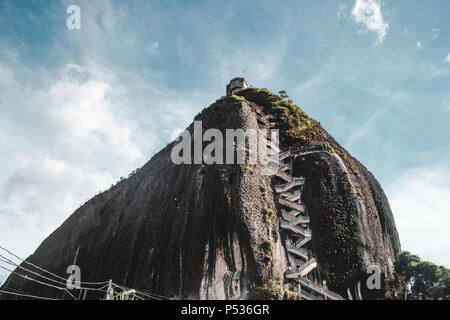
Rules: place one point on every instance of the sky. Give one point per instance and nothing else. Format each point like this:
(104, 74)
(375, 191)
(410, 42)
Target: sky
(80, 108)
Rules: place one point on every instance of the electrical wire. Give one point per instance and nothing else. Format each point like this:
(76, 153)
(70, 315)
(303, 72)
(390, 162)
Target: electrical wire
(42, 269)
(40, 282)
(149, 295)
(10, 262)
(27, 295)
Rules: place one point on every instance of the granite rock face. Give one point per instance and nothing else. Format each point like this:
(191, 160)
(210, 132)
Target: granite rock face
(201, 231)
(184, 231)
(352, 224)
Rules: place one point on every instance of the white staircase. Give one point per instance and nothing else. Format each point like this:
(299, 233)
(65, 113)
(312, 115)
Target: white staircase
(296, 182)
(295, 219)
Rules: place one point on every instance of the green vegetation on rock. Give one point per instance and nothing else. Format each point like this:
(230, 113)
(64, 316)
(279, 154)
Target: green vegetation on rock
(296, 127)
(269, 214)
(272, 291)
(295, 124)
(268, 247)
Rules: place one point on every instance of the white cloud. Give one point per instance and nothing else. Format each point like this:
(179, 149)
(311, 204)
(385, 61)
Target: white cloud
(64, 143)
(435, 32)
(152, 48)
(86, 123)
(420, 200)
(75, 131)
(447, 58)
(155, 45)
(341, 13)
(419, 45)
(368, 13)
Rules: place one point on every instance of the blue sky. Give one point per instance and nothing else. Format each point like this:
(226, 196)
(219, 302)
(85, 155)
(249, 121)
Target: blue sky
(81, 108)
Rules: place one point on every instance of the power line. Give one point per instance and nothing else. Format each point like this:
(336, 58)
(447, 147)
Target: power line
(15, 290)
(40, 282)
(55, 275)
(10, 262)
(21, 293)
(149, 295)
(107, 283)
(27, 295)
(136, 293)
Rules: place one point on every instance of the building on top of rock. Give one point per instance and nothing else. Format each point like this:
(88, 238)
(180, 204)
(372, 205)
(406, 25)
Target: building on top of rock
(235, 85)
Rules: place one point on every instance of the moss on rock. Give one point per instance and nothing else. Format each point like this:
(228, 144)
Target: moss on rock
(272, 291)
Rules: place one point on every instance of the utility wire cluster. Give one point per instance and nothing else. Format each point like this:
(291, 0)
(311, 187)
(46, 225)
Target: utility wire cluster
(31, 272)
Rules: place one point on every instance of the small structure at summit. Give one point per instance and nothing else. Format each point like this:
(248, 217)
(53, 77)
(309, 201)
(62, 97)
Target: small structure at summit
(235, 85)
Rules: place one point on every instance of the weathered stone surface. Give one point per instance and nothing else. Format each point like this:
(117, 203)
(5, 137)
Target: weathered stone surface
(351, 222)
(194, 231)
(185, 231)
